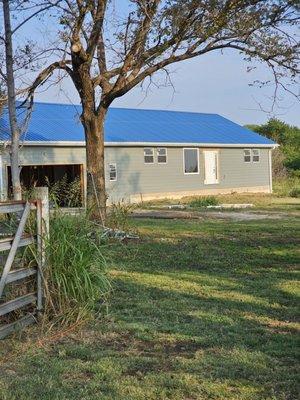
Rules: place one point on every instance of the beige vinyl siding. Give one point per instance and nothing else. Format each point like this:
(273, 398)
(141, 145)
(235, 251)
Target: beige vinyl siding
(52, 155)
(237, 173)
(134, 177)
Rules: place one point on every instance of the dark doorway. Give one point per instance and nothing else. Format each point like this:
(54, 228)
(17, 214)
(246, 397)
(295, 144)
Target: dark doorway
(65, 182)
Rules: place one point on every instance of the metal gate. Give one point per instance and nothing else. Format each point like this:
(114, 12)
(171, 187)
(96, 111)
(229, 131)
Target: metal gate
(11, 274)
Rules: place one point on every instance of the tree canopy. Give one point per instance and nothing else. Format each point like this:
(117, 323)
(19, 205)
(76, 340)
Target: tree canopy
(287, 136)
(109, 47)
(120, 44)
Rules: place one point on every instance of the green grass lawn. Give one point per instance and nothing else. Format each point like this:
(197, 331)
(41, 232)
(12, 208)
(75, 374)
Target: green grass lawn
(199, 310)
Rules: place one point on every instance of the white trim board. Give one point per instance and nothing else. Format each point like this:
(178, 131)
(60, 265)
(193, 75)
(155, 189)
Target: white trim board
(146, 144)
(1, 179)
(270, 172)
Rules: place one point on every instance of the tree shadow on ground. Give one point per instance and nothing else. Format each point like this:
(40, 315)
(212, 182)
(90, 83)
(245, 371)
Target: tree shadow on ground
(197, 312)
(159, 333)
(256, 266)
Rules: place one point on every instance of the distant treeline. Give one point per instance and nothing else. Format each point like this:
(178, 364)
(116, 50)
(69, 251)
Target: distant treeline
(286, 159)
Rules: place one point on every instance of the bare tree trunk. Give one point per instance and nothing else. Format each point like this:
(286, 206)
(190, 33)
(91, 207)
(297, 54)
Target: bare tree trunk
(94, 134)
(15, 134)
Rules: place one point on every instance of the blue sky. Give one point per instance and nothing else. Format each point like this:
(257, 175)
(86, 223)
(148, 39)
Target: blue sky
(213, 83)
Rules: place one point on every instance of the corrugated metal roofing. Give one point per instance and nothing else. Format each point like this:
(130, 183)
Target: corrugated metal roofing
(60, 123)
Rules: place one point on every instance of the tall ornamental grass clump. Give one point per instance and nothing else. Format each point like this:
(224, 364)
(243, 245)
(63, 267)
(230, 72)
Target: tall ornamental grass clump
(76, 272)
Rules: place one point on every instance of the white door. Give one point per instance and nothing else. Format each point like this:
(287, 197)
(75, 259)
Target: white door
(211, 167)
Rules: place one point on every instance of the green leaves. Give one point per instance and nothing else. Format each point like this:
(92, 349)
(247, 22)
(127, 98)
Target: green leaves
(76, 274)
(287, 136)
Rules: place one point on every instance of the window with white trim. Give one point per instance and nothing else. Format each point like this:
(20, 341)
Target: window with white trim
(112, 171)
(148, 155)
(161, 155)
(191, 161)
(247, 155)
(255, 155)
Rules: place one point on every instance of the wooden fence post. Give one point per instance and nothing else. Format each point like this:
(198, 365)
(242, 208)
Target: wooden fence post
(42, 196)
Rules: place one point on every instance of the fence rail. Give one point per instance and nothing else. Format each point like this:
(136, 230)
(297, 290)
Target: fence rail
(11, 244)
(5, 244)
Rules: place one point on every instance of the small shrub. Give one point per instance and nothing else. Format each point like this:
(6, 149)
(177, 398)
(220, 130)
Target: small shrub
(296, 174)
(200, 202)
(288, 187)
(76, 269)
(118, 217)
(279, 170)
(295, 192)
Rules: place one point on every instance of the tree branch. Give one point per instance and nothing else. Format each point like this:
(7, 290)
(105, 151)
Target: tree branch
(34, 15)
(45, 74)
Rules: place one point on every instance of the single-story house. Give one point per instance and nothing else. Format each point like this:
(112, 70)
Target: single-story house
(148, 153)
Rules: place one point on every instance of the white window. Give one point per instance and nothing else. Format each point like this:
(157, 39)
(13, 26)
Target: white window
(247, 155)
(148, 155)
(255, 155)
(161, 155)
(191, 161)
(112, 171)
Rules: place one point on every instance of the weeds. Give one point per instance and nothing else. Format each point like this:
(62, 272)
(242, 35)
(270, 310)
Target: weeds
(119, 213)
(199, 202)
(75, 274)
(76, 269)
(289, 187)
(295, 192)
(63, 193)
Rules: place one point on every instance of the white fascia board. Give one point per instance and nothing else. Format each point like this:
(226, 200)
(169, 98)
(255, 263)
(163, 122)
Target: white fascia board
(146, 144)
(50, 143)
(160, 144)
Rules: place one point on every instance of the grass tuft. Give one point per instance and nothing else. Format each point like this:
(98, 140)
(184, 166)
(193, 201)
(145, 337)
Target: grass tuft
(199, 202)
(289, 187)
(76, 269)
(119, 213)
(295, 192)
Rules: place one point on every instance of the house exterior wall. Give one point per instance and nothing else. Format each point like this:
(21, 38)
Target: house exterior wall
(137, 180)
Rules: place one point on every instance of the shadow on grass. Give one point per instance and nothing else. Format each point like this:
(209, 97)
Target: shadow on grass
(207, 318)
(199, 310)
(184, 343)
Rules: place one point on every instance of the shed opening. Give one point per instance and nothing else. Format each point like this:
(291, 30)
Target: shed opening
(65, 182)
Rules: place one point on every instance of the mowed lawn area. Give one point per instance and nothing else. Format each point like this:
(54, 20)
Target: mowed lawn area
(201, 309)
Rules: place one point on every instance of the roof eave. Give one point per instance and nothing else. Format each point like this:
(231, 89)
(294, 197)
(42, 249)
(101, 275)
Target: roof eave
(143, 144)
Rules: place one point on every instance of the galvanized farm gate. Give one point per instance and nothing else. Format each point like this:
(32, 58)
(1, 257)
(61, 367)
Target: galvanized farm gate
(9, 276)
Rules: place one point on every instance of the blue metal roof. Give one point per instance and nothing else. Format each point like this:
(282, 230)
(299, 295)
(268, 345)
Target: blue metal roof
(60, 123)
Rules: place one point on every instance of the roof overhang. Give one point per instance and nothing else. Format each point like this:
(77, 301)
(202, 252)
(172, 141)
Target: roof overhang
(145, 144)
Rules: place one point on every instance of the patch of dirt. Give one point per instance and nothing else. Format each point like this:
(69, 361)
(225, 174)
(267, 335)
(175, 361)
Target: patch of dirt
(126, 342)
(232, 215)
